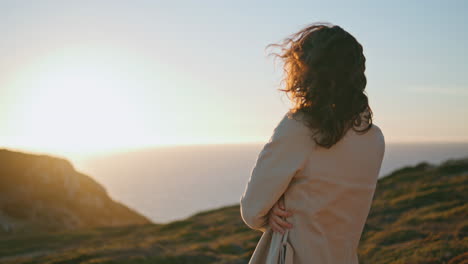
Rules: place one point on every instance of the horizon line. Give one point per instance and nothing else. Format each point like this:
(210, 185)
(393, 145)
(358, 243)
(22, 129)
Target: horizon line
(175, 145)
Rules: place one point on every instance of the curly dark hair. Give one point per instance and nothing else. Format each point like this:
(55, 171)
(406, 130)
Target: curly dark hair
(324, 73)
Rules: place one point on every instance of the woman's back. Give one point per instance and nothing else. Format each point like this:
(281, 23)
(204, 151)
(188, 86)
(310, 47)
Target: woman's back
(323, 158)
(332, 196)
(329, 192)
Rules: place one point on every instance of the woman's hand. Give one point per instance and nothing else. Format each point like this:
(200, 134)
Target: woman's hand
(274, 217)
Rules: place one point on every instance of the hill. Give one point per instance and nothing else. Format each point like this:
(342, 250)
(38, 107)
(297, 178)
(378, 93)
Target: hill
(418, 216)
(40, 192)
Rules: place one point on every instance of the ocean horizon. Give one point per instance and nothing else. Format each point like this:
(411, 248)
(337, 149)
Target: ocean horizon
(172, 183)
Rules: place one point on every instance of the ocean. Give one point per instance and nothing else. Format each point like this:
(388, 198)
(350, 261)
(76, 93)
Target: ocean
(171, 183)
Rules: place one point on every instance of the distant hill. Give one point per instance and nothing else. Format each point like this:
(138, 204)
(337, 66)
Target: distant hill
(418, 216)
(40, 192)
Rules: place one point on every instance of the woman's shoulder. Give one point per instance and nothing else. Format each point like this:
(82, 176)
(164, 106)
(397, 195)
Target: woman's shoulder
(378, 132)
(292, 126)
(292, 122)
(376, 136)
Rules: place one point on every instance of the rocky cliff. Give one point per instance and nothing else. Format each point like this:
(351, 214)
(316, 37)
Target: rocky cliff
(41, 192)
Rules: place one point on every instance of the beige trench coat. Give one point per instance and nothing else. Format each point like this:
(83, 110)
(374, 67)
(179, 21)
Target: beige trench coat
(329, 192)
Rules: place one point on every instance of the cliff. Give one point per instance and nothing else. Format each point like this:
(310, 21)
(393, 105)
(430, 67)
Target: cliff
(40, 192)
(418, 216)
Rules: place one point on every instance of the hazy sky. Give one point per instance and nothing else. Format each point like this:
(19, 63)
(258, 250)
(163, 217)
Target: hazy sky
(86, 76)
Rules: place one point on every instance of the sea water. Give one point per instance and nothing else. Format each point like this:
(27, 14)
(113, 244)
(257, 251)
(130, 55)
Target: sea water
(171, 183)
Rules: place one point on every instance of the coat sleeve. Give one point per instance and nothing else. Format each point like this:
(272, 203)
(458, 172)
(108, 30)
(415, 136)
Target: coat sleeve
(280, 159)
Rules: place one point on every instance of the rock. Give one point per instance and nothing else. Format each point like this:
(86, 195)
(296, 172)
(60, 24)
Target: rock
(41, 192)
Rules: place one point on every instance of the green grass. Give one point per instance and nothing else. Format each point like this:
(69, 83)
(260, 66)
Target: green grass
(418, 216)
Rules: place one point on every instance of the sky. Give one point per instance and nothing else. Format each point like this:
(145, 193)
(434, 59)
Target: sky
(94, 76)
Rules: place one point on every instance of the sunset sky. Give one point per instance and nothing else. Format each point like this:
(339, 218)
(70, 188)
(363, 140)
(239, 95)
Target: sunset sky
(91, 76)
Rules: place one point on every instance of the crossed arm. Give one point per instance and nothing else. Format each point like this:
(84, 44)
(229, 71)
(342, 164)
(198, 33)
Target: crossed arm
(280, 159)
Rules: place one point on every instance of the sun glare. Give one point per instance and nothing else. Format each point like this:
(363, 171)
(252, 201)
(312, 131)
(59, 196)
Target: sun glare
(79, 101)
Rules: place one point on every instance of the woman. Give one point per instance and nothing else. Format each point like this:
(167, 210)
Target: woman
(311, 188)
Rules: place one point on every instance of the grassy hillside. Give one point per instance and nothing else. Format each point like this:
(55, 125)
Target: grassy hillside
(41, 192)
(419, 216)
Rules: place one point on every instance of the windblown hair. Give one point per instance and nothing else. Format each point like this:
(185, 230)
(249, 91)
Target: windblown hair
(324, 74)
